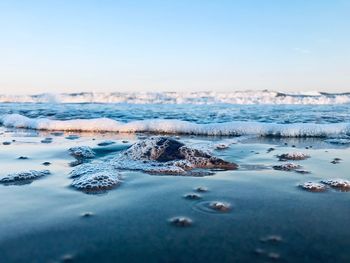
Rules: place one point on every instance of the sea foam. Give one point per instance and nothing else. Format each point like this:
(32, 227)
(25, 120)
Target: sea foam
(179, 127)
(234, 97)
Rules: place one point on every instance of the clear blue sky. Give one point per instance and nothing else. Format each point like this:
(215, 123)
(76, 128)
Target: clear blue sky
(178, 45)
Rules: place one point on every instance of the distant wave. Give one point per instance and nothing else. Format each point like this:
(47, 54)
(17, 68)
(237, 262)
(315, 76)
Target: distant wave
(235, 97)
(179, 127)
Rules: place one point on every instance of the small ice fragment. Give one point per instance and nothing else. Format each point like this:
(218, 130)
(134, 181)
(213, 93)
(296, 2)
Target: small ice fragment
(6, 143)
(46, 163)
(22, 158)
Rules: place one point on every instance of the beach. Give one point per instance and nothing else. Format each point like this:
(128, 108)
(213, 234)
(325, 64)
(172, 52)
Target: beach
(257, 213)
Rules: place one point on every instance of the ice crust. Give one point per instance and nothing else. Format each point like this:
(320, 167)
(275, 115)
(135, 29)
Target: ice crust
(162, 126)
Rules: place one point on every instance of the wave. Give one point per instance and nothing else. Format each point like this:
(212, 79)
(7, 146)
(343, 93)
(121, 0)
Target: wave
(235, 97)
(179, 127)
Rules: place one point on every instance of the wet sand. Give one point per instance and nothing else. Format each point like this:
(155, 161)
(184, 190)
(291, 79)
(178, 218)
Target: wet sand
(269, 217)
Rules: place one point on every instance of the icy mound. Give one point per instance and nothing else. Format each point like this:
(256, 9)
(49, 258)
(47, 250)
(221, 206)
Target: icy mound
(82, 152)
(234, 97)
(338, 183)
(23, 176)
(169, 156)
(179, 127)
(94, 177)
(295, 156)
(313, 187)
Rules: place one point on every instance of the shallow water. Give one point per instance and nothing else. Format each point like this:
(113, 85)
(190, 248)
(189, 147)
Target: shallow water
(212, 113)
(42, 221)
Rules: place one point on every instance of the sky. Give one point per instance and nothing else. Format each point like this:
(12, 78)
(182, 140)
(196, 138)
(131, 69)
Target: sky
(174, 45)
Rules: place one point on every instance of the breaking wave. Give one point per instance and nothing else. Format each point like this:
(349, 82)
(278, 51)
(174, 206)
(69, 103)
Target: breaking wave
(235, 97)
(162, 126)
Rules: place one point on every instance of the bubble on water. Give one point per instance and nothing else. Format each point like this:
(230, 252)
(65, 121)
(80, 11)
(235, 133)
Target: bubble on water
(23, 176)
(270, 150)
(82, 152)
(97, 177)
(192, 196)
(213, 207)
(336, 161)
(287, 167)
(201, 189)
(67, 258)
(106, 143)
(259, 251)
(87, 214)
(181, 221)
(313, 187)
(274, 255)
(295, 156)
(72, 137)
(220, 206)
(272, 239)
(339, 184)
(56, 133)
(46, 140)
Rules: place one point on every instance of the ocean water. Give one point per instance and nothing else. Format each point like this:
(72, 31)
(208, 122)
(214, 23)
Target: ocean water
(203, 119)
(271, 218)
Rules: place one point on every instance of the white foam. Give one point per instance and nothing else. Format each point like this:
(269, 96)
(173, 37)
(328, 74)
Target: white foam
(81, 152)
(293, 156)
(22, 176)
(313, 187)
(234, 97)
(337, 183)
(179, 127)
(94, 177)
